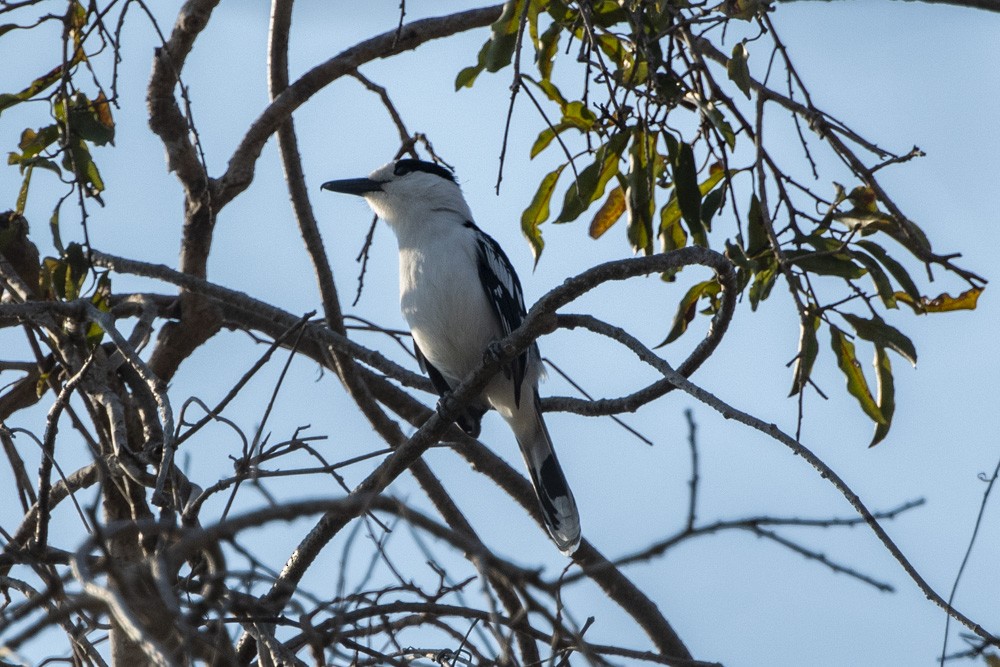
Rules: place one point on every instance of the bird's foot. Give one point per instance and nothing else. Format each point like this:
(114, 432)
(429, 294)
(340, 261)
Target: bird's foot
(494, 353)
(448, 408)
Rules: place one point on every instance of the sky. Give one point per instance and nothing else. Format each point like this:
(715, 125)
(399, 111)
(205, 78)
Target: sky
(903, 74)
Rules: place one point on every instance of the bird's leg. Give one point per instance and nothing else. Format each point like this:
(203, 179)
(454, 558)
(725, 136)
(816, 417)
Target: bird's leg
(448, 407)
(495, 354)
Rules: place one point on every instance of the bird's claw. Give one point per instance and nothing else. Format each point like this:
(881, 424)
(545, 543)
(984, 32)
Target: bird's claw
(447, 408)
(493, 354)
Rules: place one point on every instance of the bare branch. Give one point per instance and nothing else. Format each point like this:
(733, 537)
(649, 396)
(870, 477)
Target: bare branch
(241, 167)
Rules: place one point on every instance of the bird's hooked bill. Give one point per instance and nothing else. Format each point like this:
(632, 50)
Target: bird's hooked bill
(353, 186)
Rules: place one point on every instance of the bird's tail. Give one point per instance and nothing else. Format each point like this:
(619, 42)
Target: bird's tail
(556, 500)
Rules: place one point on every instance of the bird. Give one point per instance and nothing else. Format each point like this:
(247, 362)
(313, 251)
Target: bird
(459, 294)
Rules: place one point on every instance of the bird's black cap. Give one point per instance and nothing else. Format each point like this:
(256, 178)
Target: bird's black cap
(408, 165)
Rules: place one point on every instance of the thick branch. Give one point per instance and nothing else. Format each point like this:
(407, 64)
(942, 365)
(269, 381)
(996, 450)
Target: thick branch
(166, 118)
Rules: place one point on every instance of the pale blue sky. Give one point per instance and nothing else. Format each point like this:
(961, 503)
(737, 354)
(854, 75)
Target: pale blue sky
(900, 73)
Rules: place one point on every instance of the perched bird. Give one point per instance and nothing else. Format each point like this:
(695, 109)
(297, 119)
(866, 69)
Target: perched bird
(459, 293)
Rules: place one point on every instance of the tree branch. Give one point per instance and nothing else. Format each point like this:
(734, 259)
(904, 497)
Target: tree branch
(239, 174)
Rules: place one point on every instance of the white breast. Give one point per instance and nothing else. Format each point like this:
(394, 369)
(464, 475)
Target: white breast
(442, 300)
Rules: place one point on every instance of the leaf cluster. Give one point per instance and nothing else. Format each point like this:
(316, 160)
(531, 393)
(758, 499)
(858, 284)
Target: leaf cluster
(671, 150)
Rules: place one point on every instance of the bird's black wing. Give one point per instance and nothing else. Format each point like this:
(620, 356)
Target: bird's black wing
(503, 291)
(440, 384)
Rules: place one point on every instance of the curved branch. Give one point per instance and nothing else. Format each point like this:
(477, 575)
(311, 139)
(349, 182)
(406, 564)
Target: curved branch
(343, 364)
(539, 320)
(166, 119)
(240, 171)
(825, 471)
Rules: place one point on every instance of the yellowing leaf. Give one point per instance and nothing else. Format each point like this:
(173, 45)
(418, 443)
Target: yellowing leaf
(609, 213)
(864, 199)
(942, 303)
(538, 211)
(857, 385)
(590, 184)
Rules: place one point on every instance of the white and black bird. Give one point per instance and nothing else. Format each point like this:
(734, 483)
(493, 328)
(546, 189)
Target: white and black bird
(459, 293)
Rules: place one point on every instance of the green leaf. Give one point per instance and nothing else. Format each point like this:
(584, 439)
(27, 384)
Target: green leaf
(550, 90)
(22, 195)
(746, 10)
(538, 211)
(467, 76)
(878, 331)
(737, 68)
(534, 8)
(102, 300)
(886, 394)
(857, 385)
(32, 143)
(43, 82)
(721, 124)
(503, 37)
(688, 307)
(710, 205)
(640, 201)
(672, 235)
(560, 11)
(837, 264)
(757, 241)
(545, 138)
(686, 189)
(670, 215)
(54, 227)
(85, 168)
(498, 50)
(673, 146)
(575, 114)
(546, 49)
(607, 13)
(92, 120)
(763, 281)
(590, 184)
(63, 278)
(613, 48)
(894, 267)
(882, 284)
(77, 266)
(808, 349)
(609, 213)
